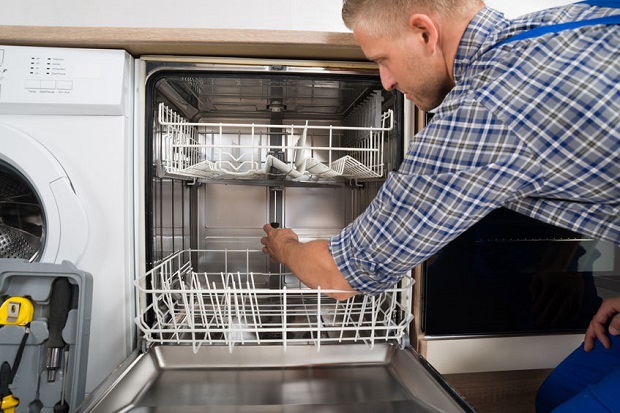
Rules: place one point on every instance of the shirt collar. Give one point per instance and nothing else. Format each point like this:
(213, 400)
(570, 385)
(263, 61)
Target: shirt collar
(480, 35)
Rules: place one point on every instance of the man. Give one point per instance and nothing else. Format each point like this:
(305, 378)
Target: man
(530, 124)
(589, 378)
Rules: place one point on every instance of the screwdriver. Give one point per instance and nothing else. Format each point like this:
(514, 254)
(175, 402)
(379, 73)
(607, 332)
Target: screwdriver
(62, 406)
(60, 304)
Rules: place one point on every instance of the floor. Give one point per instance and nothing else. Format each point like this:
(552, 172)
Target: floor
(499, 392)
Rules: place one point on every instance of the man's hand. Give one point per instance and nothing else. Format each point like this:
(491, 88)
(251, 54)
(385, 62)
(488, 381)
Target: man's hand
(310, 261)
(605, 321)
(277, 243)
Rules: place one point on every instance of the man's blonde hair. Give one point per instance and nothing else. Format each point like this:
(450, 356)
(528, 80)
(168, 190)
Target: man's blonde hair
(385, 17)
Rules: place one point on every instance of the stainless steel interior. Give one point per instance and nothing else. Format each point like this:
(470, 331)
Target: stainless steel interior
(197, 213)
(339, 378)
(268, 91)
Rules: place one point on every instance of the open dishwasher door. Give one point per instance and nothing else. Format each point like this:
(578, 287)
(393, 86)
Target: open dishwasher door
(257, 379)
(264, 342)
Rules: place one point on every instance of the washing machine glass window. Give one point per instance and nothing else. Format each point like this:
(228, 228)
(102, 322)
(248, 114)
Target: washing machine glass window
(22, 220)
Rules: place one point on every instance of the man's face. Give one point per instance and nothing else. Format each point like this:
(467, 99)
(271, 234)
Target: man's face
(406, 64)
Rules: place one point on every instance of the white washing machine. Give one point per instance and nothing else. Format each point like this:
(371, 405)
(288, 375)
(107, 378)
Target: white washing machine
(66, 178)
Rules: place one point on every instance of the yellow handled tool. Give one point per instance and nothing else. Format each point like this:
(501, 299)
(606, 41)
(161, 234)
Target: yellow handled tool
(17, 311)
(9, 403)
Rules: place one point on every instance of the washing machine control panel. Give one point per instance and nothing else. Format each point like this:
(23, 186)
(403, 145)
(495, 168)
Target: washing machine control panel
(63, 81)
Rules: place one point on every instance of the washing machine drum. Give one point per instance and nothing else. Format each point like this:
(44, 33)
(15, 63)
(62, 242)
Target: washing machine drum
(21, 217)
(41, 218)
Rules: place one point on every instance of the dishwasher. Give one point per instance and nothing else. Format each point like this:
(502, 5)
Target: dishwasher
(228, 145)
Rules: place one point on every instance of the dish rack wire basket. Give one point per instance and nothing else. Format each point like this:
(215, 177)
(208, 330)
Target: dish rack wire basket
(302, 152)
(177, 305)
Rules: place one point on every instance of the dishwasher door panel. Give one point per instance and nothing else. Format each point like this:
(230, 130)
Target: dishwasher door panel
(339, 378)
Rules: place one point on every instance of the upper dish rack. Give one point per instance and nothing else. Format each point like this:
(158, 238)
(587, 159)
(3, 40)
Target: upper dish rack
(240, 150)
(181, 306)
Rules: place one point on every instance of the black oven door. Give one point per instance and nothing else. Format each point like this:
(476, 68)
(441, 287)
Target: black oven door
(510, 274)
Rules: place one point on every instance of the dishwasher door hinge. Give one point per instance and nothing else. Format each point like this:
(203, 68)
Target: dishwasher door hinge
(143, 345)
(405, 342)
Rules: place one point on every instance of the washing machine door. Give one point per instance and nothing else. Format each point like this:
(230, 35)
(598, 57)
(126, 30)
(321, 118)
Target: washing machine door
(41, 217)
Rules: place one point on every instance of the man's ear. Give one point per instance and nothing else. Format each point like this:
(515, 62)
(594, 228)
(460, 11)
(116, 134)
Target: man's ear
(424, 27)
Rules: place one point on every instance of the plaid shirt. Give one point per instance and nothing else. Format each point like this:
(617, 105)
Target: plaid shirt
(532, 125)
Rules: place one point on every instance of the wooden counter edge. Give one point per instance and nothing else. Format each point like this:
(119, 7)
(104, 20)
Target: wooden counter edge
(140, 41)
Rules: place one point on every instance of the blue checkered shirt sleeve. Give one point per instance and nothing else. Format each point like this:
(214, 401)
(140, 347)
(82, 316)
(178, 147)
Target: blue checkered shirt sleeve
(443, 187)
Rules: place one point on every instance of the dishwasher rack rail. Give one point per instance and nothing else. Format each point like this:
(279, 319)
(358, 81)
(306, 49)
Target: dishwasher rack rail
(180, 306)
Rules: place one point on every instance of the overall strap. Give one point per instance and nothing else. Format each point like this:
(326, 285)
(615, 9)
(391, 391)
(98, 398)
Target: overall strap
(612, 4)
(554, 28)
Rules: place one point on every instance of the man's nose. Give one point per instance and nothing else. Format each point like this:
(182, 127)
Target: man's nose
(388, 82)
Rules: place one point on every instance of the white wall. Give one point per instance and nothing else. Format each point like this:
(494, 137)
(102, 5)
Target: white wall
(513, 9)
(317, 15)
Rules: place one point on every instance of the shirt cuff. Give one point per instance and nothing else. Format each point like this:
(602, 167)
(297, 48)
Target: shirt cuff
(360, 272)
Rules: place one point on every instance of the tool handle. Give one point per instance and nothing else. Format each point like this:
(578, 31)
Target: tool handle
(60, 304)
(61, 407)
(9, 403)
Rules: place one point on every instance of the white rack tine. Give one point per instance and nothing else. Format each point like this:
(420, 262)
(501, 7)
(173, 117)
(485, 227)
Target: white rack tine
(318, 320)
(244, 313)
(337, 304)
(308, 313)
(204, 315)
(188, 303)
(284, 317)
(345, 316)
(390, 312)
(229, 323)
(373, 315)
(226, 263)
(360, 321)
(166, 282)
(218, 307)
(254, 301)
(195, 308)
(203, 309)
(218, 319)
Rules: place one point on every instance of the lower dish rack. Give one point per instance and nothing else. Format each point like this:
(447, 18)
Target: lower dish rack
(178, 305)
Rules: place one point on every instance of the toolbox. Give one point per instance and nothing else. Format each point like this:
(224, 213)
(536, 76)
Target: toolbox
(45, 315)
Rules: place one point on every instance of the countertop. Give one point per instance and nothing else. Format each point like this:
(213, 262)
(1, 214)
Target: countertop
(191, 42)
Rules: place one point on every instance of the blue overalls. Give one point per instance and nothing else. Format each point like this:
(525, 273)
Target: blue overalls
(583, 382)
(554, 28)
